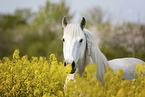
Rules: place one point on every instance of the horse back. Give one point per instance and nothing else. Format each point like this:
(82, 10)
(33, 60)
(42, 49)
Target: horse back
(127, 65)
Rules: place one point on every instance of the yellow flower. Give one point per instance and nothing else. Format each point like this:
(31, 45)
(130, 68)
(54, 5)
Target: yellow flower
(107, 77)
(16, 54)
(68, 68)
(45, 78)
(121, 93)
(91, 68)
(110, 70)
(119, 73)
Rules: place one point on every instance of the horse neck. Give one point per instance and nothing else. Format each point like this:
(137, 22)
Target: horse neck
(97, 57)
(100, 60)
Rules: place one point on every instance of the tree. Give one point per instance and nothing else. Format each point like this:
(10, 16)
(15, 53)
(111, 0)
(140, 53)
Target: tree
(8, 25)
(11, 21)
(25, 14)
(124, 40)
(94, 16)
(51, 14)
(130, 36)
(96, 24)
(42, 37)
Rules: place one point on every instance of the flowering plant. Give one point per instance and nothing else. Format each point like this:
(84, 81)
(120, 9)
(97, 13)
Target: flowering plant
(35, 77)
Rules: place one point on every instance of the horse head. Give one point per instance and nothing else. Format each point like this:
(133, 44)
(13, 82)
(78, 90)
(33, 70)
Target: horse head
(74, 42)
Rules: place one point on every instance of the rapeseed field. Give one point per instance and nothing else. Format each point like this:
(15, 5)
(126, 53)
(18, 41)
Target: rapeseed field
(39, 77)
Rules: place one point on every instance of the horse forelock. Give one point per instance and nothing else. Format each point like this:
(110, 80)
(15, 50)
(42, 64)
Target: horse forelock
(73, 30)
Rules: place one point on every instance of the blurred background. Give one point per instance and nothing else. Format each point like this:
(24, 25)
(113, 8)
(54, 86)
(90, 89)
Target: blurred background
(34, 26)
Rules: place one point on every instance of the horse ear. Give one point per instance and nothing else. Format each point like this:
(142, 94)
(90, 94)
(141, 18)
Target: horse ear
(64, 22)
(83, 23)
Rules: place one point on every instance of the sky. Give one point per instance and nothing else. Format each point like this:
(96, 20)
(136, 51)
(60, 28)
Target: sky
(120, 10)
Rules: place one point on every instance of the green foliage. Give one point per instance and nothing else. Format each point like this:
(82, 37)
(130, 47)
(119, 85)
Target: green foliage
(25, 14)
(51, 14)
(35, 45)
(11, 21)
(39, 37)
(44, 35)
(8, 24)
(40, 34)
(94, 16)
(114, 52)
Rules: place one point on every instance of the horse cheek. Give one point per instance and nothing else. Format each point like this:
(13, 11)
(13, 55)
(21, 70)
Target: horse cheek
(82, 50)
(64, 51)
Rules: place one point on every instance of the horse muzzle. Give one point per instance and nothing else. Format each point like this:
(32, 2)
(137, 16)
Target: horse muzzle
(73, 64)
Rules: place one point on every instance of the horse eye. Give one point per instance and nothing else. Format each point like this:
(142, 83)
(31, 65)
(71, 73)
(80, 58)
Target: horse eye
(81, 40)
(63, 40)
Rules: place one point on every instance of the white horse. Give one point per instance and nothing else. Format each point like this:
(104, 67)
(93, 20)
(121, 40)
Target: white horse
(80, 49)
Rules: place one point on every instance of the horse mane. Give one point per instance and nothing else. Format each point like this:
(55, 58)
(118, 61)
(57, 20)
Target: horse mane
(96, 56)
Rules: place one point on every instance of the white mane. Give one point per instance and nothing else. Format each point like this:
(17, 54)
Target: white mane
(98, 58)
(96, 55)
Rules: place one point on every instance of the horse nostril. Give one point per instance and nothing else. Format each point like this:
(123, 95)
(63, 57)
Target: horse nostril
(73, 68)
(73, 64)
(64, 64)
